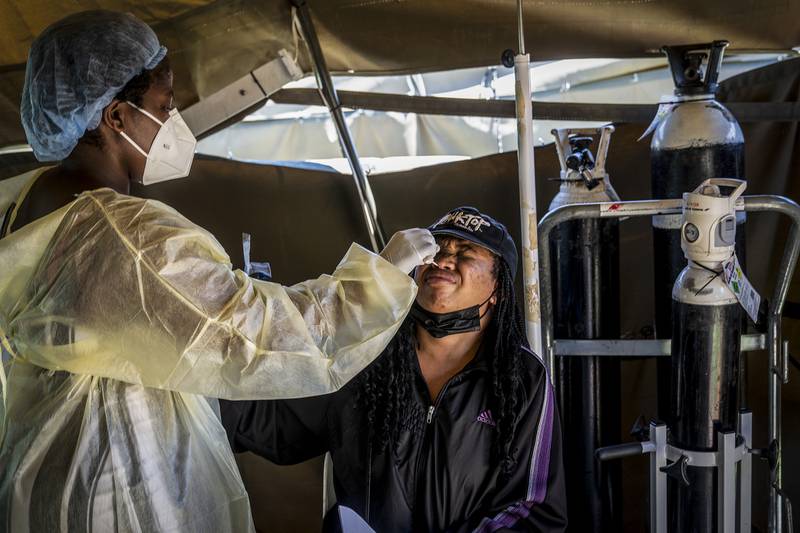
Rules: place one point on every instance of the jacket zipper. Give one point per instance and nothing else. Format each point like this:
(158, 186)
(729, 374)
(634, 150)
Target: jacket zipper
(435, 405)
(428, 420)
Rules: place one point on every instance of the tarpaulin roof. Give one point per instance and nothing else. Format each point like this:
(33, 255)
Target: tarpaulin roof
(213, 43)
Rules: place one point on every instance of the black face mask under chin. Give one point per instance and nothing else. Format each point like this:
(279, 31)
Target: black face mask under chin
(443, 324)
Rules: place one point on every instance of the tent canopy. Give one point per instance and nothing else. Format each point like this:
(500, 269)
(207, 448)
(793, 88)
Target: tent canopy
(213, 43)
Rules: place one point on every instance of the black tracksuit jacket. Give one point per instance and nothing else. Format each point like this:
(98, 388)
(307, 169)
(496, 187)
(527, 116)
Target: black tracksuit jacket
(438, 476)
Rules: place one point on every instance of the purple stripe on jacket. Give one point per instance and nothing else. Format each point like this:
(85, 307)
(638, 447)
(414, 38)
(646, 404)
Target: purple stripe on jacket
(537, 479)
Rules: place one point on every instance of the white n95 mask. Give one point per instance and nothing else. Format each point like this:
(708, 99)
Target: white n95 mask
(172, 151)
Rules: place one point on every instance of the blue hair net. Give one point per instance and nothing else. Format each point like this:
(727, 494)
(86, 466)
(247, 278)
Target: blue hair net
(75, 68)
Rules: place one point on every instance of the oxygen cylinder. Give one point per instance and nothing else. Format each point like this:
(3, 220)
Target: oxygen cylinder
(695, 137)
(706, 340)
(586, 306)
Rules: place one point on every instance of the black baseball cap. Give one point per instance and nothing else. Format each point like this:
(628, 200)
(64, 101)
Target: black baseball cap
(471, 225)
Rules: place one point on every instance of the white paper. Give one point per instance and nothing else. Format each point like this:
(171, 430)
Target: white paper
(351, 522)
(741, 287)
(663, 111)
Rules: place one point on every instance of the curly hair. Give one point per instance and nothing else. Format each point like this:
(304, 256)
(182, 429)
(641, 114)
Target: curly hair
(385, 393)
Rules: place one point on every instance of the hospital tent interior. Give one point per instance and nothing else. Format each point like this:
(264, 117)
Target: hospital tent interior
(432, 115)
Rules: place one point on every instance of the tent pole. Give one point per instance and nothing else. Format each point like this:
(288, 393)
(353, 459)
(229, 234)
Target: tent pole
(331, 99)
(527, 198)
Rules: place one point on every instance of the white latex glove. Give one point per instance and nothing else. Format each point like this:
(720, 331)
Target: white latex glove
(410, 248)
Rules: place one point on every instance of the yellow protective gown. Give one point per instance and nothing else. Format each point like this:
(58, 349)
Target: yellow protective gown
(121, 318)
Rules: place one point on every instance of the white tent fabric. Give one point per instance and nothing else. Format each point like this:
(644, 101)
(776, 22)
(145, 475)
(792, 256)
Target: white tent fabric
(290, 132)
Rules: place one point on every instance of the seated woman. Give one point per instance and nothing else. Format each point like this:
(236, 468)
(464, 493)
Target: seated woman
(454, 427)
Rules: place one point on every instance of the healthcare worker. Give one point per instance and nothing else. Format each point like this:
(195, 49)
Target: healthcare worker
(119, 318)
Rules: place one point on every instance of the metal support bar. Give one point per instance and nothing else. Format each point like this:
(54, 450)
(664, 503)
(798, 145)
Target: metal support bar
(520, 30)
(746, 473)
(726, 482)
(621, 451)
(249, 91)
(784, 206)
(700, 459)
(785, 365)
(575, 212)
(724, 459)
(775, 521)
(651, 208)
(636, 347)
(658, 479)
(766, 203)
(331, 99)
(572, 111)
